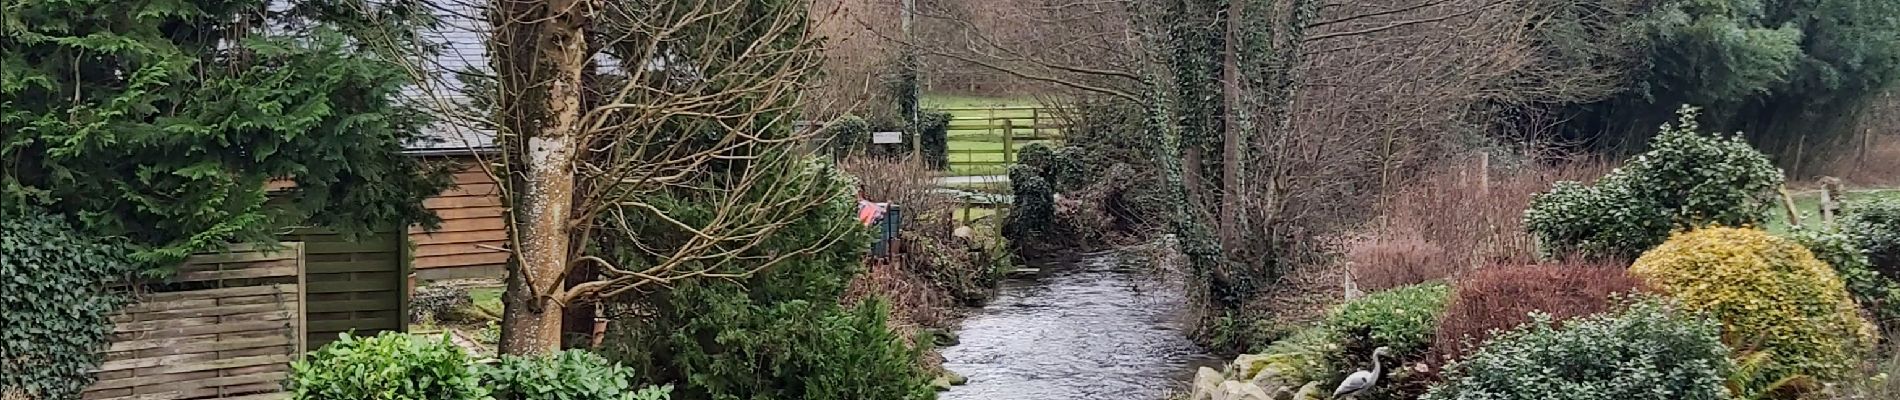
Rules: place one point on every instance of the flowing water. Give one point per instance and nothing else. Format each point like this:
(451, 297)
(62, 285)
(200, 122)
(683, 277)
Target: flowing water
(1084, 329)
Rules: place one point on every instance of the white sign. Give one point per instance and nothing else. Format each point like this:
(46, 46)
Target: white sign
(887, 137)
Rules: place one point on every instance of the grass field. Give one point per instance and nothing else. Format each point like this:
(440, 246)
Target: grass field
(975, 147)
(1808, 206)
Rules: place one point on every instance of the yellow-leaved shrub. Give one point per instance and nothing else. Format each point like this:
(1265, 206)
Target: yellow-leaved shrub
(1771, 294)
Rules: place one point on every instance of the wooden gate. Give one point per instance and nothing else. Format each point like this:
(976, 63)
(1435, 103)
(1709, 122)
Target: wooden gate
(226, 326)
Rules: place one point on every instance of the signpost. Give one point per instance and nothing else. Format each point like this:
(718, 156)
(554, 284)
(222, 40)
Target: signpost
(887, 137)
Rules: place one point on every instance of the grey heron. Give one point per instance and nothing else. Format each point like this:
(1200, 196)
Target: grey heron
(1361, 382)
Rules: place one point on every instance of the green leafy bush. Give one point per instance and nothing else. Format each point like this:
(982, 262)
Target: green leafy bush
(1404, 318)
(1650, 351)
(55, 303)
(1771, 295)
(388, 366)
(1686, 180)
(1842, 250)
(567, 375)
(1877, 222)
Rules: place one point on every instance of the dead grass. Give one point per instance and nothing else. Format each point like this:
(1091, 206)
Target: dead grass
(1453, 220)
(1878, 380)
(1878, 167)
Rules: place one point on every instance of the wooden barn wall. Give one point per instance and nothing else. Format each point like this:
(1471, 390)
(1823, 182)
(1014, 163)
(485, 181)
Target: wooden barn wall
(471, 232)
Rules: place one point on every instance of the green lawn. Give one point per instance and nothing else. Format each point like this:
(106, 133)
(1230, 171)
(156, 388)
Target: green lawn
(1808, 206)
(486, 297)
(968, 131)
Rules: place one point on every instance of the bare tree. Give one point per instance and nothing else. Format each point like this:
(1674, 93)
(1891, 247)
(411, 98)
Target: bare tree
(1288, 117)
(599, 107)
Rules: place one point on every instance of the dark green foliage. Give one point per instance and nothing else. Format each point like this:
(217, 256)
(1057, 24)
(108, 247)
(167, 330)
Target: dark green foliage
(388, 366)
(1793, 75)
(851, 135)
(162, 121)
(1651, 351)
(721, 341)
(934, 127)
(1686, 180)
(567, 375)
(1843, 251)
(55, 301)
(1877, 223)
(1033, 209)
(777, 334)
(1404, 319)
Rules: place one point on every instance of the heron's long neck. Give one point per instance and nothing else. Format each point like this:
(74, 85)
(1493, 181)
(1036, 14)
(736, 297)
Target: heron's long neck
(1375, 364)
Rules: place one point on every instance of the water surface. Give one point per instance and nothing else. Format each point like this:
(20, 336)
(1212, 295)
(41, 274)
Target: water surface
(1083, 330)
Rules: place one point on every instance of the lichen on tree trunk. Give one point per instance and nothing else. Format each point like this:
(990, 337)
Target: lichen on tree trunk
(541, 48)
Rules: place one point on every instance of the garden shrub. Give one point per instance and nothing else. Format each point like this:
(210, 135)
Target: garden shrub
(566, 375)
(1877, 222)
(1033, 207)
(1501, 298)
(934, 126)
(778, 333)
(1771, 295)
(1650, 351)
(1842, 250)
(55, 302)
(1403, 319)
(851, 135)
(1686, 180)
(388, 366)
(718, 342)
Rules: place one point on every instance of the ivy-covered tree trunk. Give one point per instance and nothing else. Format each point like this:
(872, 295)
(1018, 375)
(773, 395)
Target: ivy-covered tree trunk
(541, 48)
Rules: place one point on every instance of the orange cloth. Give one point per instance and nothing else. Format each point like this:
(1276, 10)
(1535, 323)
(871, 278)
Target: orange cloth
(869, 212)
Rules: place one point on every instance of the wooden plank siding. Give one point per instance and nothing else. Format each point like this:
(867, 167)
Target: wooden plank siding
(225, 326)
(472, 226)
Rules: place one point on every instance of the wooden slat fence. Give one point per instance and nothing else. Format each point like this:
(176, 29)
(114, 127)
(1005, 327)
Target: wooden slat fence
(354, 284)
(991, 136)
(225, 326)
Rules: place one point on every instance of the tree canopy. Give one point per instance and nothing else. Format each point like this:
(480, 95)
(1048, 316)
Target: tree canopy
(1788, 73)
(165, 121)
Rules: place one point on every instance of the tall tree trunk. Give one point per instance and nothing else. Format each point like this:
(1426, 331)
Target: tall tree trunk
(1231, 143)
(540, 48)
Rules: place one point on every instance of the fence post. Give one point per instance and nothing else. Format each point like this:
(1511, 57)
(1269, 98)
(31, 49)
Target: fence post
(1035, 123)
(1009, 140)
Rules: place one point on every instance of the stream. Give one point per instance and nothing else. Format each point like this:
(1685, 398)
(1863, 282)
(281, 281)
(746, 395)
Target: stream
(1083, 329)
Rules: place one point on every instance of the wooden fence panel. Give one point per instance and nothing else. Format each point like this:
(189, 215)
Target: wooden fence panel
(225, 326)
(355, 285)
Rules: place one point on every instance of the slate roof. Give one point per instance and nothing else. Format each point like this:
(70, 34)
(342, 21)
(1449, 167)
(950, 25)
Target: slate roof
(460, 40)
